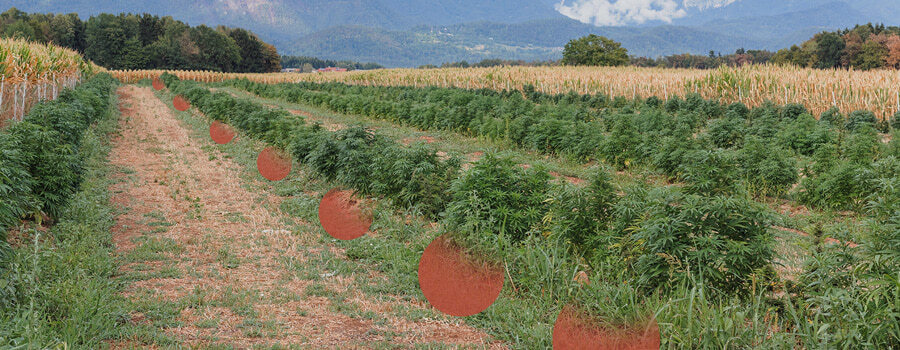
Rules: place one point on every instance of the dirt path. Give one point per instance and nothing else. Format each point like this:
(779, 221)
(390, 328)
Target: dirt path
(205, 257)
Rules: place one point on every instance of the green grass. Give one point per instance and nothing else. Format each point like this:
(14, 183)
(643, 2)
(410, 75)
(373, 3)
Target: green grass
(65, 280)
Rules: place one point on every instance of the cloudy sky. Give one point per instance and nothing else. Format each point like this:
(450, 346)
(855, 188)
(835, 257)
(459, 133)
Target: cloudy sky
(623, 12)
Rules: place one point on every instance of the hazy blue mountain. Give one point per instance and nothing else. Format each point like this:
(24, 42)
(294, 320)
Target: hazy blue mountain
(283, 20)
(533, 40)
(410, 32)
(859, 11)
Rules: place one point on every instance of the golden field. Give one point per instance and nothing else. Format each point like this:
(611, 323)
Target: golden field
(819, 90)
(31, 72)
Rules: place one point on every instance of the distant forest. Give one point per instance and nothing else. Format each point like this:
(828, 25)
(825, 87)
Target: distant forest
(128, 41)
(308, 64)
(863, 47)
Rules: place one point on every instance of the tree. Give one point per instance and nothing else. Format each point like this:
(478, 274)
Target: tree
(893, 46)
(594, 50)
(829, 47)
(217, 51)
(872, 55)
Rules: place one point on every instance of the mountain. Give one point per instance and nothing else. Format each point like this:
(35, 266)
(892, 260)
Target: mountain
(790, 28)
(533, 40)
(280, 21)
(415, 32)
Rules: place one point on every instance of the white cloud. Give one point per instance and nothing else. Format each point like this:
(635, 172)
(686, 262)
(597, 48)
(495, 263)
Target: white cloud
(705, 4)
(621, 12)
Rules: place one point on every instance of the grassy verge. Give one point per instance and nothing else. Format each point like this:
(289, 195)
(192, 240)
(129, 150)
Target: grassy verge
(58, 284)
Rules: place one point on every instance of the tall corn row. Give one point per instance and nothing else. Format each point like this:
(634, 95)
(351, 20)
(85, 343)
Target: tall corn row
(30, 73)
(819, 90)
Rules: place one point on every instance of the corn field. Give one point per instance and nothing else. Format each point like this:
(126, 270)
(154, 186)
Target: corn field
(877, 91)
(30, 73)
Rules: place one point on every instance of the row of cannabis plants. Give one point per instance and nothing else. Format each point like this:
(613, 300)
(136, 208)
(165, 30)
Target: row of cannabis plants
(56, 259)
(699, 262)
(711, 147)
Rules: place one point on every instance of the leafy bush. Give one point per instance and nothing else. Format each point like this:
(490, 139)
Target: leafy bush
(582, 215)
(725, 132)
(621, 147)
(793, 110)
(54, 166)
(766, 168)
(711, 172)
(863, 145)
(40, 164)
(833, 117)
(721, 241)
(838, 186)
(496, 203)
(803, 135)
(16, 197)
(857, 119)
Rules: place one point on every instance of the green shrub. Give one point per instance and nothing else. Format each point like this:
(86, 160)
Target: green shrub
(16, 197)
(620, 148)
(764, 124)
(582, 215)
(415, 177)
(803, 135)
(496, 203)
(857, 119)
(672, 150)
(711, 173)
(725, 132)
(863, 145)
(841, 186)
(833, 117)
(720, 241)
(737, 110)
(54, 166)
(793, 110)
(766, 168)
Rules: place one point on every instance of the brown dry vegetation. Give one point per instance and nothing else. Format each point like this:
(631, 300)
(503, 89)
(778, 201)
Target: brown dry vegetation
(817, 89)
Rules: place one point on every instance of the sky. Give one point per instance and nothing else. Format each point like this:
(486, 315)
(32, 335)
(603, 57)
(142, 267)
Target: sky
(625, 12)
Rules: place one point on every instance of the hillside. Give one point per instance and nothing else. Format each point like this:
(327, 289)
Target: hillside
(533, 40)
(279, 21)
(431, 31)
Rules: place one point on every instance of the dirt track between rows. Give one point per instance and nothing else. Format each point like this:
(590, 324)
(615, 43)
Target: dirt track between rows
(202, 239)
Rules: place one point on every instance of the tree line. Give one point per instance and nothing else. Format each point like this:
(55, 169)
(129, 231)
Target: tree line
(862, 47)
(131, 41)
(308, 64)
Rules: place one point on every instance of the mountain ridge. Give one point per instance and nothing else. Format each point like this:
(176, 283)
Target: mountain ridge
(473, 29)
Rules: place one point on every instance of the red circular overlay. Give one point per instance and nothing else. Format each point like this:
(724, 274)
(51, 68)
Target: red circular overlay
(180, 103)
(342, 217)
(158, 84)
(273, 165)
(455, 285)
(573, 330)
(221, 133)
